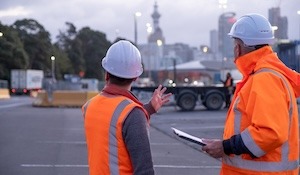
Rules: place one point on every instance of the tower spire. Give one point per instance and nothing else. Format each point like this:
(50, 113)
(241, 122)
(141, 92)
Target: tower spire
(155, 16)
(157, 34)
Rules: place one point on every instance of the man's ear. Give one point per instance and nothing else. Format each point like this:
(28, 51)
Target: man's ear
(239, 50)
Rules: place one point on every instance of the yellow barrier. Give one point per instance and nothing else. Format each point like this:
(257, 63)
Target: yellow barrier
(69, 98)
(4, 94)
(41, 99)
(63, 98)
(91, 94)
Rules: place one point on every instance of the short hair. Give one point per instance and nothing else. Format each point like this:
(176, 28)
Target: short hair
(118, 80)
(255, 47)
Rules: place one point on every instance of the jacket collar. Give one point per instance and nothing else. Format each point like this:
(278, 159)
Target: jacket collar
(266, 58)
(115, 90)
(246, 64)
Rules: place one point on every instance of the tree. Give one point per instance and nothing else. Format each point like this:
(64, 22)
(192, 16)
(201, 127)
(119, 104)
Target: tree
(72, 46)
(12, 53)
(94, 47)
(63, 64)
(37, 43)
(85, 49)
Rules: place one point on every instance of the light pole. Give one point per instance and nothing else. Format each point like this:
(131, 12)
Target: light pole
(52, 67)
(136, 15)
(149, 31)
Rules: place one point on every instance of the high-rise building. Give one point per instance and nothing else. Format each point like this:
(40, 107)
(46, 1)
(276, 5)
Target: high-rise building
(213, 35)
(280, 22)
(226, 21)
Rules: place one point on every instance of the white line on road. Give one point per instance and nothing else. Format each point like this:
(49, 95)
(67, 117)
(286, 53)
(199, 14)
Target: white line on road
(49, 166)
(165, 143)
(13, 105)
(86, 166)
(202, 127)
(83, 142)
(187, 167)
(63, 142)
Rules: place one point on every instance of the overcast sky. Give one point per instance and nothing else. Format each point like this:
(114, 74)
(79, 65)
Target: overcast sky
(186, 21)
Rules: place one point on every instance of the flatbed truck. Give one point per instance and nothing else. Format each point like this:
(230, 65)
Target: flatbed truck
(186, 97)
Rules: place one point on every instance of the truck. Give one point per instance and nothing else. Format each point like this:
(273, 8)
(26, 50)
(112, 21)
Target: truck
(187, 97)
(25, 81)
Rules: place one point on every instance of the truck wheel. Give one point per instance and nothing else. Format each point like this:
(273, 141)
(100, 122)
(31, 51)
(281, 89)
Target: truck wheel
(214, 101)
(187, 102)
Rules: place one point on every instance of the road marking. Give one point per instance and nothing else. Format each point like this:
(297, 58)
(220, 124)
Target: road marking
(13, 105)
(83, 142)
(86, 166)
(63, 142)
(202, 127)
(165, 143)
(187, 167)
(50, 166)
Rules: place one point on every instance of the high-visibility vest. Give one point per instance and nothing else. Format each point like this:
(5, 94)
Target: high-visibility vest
(103, 122)
(228, 82)
(282, 160)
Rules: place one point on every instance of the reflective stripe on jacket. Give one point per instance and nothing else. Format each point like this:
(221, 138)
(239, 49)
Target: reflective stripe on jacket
(264, 111)
(103, 121)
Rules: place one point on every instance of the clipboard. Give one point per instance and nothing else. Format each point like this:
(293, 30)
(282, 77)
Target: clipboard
(188, 137)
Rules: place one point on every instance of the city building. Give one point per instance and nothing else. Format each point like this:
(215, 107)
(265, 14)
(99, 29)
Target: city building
(156, 54)
(213, 35)
(183, 64)
(279, 23)
(226, 20)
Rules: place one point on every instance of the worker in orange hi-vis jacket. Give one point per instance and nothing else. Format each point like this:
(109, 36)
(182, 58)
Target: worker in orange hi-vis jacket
(261, 133)
(116, 123)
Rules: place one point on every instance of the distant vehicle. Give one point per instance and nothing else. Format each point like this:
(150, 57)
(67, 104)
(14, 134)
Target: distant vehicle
(186, 97)
(24, 81)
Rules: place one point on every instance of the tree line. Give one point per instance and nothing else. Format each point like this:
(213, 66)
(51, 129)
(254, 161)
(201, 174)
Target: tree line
(26, 44)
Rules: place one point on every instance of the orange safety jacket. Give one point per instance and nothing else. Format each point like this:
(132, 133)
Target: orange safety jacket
(265, 113)
(103, 122)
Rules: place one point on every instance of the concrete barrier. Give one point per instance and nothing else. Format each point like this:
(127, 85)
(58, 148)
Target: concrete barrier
(69, 98)
(91, 94)
(4, 93)
(41, 100)
(63, 98)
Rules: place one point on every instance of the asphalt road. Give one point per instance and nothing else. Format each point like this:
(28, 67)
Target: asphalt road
(50, 141)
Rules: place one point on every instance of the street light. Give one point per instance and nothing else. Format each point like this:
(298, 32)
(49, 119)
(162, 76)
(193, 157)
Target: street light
(149, 28)
(222, 4)
(52, 67)
(159, 42)
(136, 15)
(1, 34)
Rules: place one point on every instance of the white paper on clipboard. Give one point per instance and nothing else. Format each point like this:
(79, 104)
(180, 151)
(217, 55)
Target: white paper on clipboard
(188, 137)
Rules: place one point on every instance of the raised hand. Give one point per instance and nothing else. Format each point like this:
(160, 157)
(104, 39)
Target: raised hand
(159, 98)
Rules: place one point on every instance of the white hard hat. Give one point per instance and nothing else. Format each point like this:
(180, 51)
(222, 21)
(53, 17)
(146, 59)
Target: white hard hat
(123, 60)
(253, 29)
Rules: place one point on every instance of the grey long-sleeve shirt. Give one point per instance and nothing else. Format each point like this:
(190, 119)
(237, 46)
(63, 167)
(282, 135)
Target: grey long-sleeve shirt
(136, 137)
